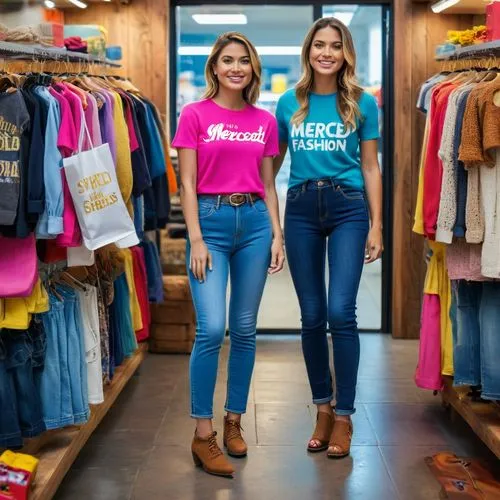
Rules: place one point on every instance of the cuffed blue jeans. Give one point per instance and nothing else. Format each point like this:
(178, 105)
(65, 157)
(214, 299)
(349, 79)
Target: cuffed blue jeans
(477, 342)
(322, 217)
(239, 239)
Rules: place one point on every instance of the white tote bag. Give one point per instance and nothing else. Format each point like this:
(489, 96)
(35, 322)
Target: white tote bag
(99, 205)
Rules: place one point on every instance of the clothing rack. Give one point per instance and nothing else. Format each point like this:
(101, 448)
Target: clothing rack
(58, 449)
(482, 417)
(488, 49)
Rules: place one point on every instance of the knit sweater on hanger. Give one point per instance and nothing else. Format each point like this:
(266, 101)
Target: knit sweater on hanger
(448, 199)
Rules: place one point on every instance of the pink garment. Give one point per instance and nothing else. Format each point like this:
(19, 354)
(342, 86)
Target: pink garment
(428, 374)
(67, 140)
(92, 121)
(72, 236)
(464, 261)
(230, 145)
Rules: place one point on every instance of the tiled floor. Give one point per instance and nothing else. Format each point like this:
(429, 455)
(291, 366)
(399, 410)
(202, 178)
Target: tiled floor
(141, 450)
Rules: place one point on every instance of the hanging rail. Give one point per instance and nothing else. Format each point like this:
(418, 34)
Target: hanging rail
(488, 49)
(19, 51)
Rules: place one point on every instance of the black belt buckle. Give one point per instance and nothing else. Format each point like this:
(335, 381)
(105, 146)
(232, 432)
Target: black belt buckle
(237, 199)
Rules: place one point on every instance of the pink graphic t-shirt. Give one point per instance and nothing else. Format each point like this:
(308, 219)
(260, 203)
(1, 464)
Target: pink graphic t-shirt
(230, 145)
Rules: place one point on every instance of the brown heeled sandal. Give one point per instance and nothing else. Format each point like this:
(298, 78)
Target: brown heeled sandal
(341, 438)
(322, 431)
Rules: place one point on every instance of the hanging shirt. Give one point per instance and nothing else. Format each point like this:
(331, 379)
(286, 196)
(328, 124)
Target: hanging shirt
(105, 104)
(322, 146)
(92, 121)
(433, 166)
(140, 171)
(461, 173)
(50, 223)
(36, 187)
(14, 120)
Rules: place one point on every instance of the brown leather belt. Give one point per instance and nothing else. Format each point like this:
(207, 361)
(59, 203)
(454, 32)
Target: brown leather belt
(235, 199)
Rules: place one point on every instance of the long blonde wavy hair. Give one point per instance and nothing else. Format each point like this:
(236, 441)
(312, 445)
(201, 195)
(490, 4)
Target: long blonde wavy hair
(349, 91)
(252, 91)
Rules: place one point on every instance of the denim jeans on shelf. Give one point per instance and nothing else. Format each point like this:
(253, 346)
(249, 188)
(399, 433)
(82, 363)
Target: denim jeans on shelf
(322, 217)
(55, 389)
(478, 339)
(20, 362)
(239, 239)
(76, 361)
(466, 341)
(10, 432)
(489, 320)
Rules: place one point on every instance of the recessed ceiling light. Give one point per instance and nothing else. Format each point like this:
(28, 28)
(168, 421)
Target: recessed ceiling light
(220, 18)
(49, 4)
(78, 3)
(443, 5)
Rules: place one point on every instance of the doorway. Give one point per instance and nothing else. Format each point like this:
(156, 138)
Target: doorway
(279, 45)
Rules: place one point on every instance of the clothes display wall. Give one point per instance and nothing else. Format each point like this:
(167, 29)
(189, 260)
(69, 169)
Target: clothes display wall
(457, 208)
(74, 287)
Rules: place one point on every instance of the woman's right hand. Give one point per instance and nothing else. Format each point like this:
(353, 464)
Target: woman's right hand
(199, 260)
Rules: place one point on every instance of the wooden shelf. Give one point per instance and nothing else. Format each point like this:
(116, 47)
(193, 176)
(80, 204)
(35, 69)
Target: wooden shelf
(57, 450)
(483, 418)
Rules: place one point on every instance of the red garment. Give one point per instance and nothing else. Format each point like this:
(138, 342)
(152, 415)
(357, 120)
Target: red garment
(141, 287)
(428, 374)
(433, 169)
(49, 251)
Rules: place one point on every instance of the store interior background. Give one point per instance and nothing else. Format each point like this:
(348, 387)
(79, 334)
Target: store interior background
(144, 27)
(407, 423)
(148, 30)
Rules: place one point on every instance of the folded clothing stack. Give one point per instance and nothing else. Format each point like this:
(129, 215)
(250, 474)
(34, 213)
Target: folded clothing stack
(95, 37)
(75, 44)
(45, 34)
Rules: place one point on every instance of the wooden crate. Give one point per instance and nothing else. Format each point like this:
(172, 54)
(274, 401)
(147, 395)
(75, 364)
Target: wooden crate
(173, 256)
(170, 346)
(176, 288)
(181, 332)
(173, 312)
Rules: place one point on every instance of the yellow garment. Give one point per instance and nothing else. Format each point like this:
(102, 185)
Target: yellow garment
(123, 155)
(135, 308)
(20, 461)
(437, 282)
(16, 315)
(418, 226)
(38, 302)
(17, 311)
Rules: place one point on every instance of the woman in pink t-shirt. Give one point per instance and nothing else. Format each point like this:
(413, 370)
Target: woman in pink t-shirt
(226, 147)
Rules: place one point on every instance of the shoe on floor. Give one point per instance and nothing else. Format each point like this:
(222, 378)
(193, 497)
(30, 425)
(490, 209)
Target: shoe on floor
(322, 431)
(340, 440)
(233, 440)
(207, 454)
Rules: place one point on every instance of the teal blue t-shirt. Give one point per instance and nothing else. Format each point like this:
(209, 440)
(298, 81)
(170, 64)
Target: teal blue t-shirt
(320, 147)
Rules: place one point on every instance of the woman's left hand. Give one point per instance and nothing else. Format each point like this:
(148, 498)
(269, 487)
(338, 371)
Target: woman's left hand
(374, 245)
(277, 256)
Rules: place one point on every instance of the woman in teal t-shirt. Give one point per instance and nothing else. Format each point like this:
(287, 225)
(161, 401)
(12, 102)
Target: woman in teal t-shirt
(334, 207)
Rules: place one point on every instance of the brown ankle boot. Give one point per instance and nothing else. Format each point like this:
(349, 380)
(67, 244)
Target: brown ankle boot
(233, 440)
(207, 454)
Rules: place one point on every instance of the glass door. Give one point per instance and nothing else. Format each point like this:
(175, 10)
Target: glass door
(279, 45)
